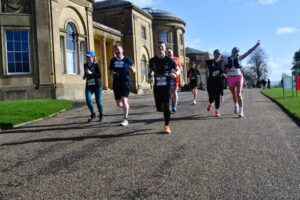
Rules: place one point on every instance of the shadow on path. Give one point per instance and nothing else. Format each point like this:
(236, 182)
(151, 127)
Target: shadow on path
(81, 138)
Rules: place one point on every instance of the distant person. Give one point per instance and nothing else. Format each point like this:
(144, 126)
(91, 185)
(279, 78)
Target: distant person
(235, 77)
(164, 69)
(269, 84)
(264, 82)
(120, 66)
(174, 95)
(214, 82)
(92, 75)
(192, 75)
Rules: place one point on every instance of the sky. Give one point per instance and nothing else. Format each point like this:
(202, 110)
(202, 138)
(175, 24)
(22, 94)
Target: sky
(224, 24)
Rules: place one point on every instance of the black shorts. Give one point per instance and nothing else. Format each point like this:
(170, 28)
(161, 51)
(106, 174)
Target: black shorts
(121, 90)
(162, 96)
(193, 84)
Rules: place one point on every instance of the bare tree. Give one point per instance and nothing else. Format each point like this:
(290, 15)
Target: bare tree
(257, 66)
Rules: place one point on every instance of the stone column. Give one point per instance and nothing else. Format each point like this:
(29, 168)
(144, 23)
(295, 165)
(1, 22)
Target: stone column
(105, 63)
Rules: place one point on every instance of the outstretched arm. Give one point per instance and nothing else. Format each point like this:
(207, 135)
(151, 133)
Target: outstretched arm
(250, 51)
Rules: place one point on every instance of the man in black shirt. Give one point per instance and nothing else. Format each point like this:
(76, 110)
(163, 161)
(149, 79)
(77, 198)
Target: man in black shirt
(164, 69)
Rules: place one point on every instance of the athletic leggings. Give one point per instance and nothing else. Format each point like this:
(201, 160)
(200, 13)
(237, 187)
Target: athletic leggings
(89, 91)
(214, 89)
(162, 101)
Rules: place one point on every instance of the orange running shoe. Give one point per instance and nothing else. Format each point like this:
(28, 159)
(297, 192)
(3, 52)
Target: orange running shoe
(167, 130)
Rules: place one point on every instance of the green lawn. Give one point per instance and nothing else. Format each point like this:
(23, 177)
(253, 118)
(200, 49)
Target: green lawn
(20, 111)
(288, 102)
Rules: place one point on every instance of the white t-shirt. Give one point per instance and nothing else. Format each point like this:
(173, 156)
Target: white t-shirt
(233, 71)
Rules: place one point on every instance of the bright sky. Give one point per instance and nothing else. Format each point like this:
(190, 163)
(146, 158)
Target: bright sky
(224, 24)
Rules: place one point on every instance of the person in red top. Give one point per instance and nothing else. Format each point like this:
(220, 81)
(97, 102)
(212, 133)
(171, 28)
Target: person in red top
(174, 94)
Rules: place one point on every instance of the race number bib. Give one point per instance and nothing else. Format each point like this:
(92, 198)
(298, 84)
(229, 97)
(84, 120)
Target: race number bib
(91, 82)
(161, 81)
(216, 73)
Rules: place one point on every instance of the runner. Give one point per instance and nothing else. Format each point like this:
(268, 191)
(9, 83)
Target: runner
(235, 77)
(93, 85)
(119, 68)
(174, 94)
(193, 74)
(164, 69)
(214, 83)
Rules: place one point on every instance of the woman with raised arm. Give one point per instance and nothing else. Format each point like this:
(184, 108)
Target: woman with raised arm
(235, 77)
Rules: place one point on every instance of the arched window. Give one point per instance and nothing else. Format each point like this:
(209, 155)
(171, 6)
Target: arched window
(72, 64)
(144, 68)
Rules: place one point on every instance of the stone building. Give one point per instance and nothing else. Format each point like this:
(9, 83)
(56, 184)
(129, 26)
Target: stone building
(169, 28)
(43, 44)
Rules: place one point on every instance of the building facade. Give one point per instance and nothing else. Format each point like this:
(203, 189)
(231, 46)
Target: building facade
(136, 27)
(43, 44)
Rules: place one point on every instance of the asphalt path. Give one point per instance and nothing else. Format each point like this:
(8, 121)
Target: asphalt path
(64, 157)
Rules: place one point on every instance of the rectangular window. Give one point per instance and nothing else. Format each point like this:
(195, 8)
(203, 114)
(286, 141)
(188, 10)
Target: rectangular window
(17, 51)
(165, 36)
(143, 32)
(81, 52)
(62, 54)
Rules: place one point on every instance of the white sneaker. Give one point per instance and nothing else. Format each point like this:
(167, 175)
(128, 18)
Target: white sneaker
(194, 102)
(124, 122)
(241, 115)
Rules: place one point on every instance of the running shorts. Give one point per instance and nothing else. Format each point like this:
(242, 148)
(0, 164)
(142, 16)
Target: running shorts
(233, 81)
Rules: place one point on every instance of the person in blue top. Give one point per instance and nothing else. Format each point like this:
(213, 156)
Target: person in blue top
(120, 67)
(93, 85)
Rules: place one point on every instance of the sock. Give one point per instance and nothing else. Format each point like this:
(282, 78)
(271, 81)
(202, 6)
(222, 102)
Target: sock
(241, 110)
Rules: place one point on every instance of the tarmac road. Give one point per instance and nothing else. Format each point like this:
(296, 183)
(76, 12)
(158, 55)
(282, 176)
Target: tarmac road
(64, 157)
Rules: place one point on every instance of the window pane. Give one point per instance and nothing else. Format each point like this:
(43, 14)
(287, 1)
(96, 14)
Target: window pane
(163, 36)
(11, 57)
(18, 57)
(24, 36)
(24, 46)
(25, 57)
(17, 35)
(72, 50)
(17, 46)
(9, 35)
(19, 67)
(10, 46)
(62, 53)
(26, 67)
(11, 67)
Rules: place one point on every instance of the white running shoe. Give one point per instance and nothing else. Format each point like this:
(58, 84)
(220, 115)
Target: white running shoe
(124, 122)
(194, 102)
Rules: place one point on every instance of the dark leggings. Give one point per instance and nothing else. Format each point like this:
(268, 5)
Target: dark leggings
(214, 89)
(162, 102)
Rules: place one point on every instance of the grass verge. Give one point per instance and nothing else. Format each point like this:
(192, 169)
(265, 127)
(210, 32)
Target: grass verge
(21, 111)
(288, 102)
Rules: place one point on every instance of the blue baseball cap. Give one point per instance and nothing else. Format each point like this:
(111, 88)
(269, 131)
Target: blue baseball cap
(90, 53)
(235, 49)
